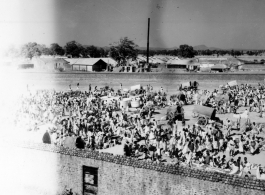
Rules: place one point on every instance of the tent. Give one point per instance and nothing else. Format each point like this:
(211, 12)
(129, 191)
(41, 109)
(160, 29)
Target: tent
(232, 83)
(109, 99)
(185, 85)
(203, 110)
(135, 87)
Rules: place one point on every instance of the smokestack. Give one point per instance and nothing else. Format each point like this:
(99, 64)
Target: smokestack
(148, 42)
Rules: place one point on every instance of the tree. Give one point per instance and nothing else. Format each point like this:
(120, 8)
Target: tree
(250, 53)
(92, 51)
(43, 49)
(232, 53)
(56, 49)
(237, 53)
(186, 51)
(30, 50)
(102, 52)
(123, 50)
(74, 49)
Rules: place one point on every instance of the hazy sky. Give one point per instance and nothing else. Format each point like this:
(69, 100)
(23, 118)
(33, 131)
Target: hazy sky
(215, 23)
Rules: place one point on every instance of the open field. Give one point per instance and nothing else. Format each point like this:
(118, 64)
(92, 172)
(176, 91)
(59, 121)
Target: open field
(170, 83)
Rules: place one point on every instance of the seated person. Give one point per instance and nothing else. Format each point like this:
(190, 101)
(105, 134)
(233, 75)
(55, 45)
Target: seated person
(235, 168)
(260, 174)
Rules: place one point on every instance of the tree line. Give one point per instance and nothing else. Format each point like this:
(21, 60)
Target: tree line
(192, 52)
(121, 51)
(72, 49)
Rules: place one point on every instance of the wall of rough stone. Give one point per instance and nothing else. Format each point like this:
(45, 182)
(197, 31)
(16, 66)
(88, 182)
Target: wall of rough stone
(45, 169)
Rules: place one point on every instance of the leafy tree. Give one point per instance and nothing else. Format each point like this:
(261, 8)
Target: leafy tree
(186, 51)
(123, 50)
(237, 53)
(43, 49)
(232, 52)
(56, 49)
(74, 49)
(251, 53)
(102, 52)
(30, 50)
(92, 51)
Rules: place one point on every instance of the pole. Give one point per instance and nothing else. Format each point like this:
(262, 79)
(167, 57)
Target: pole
(148, 42)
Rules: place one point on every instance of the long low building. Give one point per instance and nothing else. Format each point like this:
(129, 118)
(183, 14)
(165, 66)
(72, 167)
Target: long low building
(189, 64)
(91, 64)
(51, 64)
(219, 68)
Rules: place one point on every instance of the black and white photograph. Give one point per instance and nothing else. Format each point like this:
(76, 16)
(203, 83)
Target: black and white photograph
(132, 97)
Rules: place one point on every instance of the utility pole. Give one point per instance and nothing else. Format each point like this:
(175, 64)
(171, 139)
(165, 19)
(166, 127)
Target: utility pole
(147, 53)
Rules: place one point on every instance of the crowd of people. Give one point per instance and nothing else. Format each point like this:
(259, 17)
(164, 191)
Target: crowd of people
(99, 119)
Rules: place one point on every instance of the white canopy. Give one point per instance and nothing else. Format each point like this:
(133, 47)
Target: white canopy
(135, 87)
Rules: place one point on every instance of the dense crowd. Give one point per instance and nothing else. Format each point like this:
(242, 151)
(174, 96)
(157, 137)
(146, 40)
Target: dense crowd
(100, 118)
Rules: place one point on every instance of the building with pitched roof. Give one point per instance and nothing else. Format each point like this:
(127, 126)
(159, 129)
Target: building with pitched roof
(91, 64)
(189, 64)
(219, 68)
(50, 64)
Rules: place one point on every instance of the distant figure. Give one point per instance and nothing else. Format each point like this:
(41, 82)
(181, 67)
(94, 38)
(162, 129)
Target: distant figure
(127, 150)
(77, 86)
(148, 88)
(89, 87)
(70, 87)
(80, 143)
(46, 139)
(120, 86)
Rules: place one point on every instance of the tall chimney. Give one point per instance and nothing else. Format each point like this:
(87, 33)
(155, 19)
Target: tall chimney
(147, 53)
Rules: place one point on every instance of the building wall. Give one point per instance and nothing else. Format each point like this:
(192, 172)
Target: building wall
(45, 169)
(178, 66)
(206, 65)
(64, 65)
(41, 65)
(50, 66)
(81, 67)
(99, 66)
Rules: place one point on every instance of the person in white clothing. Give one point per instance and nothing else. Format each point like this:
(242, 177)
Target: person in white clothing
(235, 168)
(260, 174)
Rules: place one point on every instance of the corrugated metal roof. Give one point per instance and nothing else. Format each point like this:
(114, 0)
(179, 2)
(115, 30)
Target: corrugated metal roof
(180, 61)
(90, 61)
(83, 61)
(219, 66)
(48, 60)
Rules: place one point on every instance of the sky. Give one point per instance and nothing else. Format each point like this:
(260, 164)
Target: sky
(223, 24)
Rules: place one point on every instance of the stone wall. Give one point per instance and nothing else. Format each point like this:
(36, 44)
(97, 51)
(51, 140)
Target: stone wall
(44, 169)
